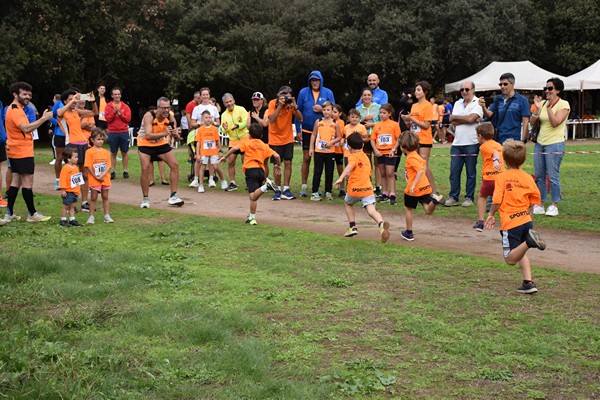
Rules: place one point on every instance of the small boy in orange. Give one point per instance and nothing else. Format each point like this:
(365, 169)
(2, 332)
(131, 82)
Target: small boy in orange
(515, 194)
(69, 183)
(207, 152)
(360, 188)
(384, 141)
(256, 152)
(493, 165)
(326, 133)
(418, 189)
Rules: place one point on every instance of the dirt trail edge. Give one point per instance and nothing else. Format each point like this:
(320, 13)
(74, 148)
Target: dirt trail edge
(572, 251)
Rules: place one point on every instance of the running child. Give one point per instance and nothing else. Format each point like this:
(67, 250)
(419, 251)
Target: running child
(493, 165)
(69, 183)
(515, 194)
(418, 189)
(326, 133)
(338, 116)
(384, 141)
(207, 152)
(360, 188)
(98, 164)
(256, 152)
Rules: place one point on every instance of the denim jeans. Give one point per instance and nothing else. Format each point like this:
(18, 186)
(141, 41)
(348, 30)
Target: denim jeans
(456, 167)
(548, 164)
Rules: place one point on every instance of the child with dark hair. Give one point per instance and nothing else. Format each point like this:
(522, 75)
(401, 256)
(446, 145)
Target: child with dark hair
(493, 165)
(69, 182)
(98, 164)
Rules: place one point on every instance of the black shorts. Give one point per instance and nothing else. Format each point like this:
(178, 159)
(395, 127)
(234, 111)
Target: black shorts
(306, 140)
(155, 150)
(413, 202)
(2, 152)
(58, 141)
(514, 237)
(80, 149)
(22, 165)
(255, 178)
(339, 158)
(236, 152)
(367, 148)
(426, 146)
(286, 152)
(102, 124)
(385, 160)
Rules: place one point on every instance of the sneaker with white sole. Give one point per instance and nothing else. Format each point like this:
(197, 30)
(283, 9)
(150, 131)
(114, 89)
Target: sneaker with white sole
(201, 189)
(351, 232)
(407, 236)
(384, 231)
(287, 195)
(467, 203)
(437, 198)
(52, 162)
(91, 220)
(539, 210)
(552, 211)
(478, 226)
(251, 221)
(534, 240)
(315, 197)
(11, 218)
(451, 202)
(328, 196)
(231, 187)
(527, 288)
(271, 185)
(211, 183)
(175, 201)
(277, 195)
(194, 183)
(38, 217)
(223, 184)
(85, 207)
(108, 219)
(145, 203)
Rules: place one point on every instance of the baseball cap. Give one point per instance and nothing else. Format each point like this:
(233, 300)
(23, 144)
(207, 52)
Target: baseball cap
(284, 90)
(257, 95)
(314, 76)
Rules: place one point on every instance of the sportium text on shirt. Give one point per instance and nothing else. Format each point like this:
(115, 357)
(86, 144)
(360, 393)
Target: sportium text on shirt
(515, 191)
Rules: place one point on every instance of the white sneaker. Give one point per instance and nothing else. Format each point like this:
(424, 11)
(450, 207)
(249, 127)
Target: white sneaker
(467, 203)
(52, 162)
(37, 217)
(145, 203)
(328, 196)
(552, 211)
(91, 220)
(11, 218)
(195, 183)
(451, 202)
(539, 210)
(315, 197)
(201, 189)
(211, 182)
(223, 184)
(175, 201)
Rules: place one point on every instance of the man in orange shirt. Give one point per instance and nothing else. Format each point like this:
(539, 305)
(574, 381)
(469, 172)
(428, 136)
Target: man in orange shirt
(19, 149)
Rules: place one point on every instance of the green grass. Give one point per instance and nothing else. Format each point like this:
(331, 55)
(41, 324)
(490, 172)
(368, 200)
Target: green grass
(579, 177)
(161, 305)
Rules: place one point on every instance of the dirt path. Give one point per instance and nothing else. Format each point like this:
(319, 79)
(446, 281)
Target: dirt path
(575, 251)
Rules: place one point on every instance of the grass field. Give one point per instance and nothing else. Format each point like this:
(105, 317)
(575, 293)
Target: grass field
(165, 306)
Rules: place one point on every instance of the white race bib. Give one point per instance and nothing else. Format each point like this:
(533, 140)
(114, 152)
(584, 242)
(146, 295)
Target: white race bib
(77, 180)
(209, 145)
(322, 145)
(101, 115)
(99, 168)
(385, 139)
(35, 135)
(415, 128)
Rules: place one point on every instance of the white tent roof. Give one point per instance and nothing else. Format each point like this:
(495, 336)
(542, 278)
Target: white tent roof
(586, 79)
(528, 76)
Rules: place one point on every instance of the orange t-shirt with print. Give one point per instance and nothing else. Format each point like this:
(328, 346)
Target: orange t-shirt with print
(281, 131)
(73, 120)
(338, 146)
(18, 144)
(414, 163)
(208, 138)
(157, 127)
(359, 181)
(64, 181)
(325, 133)
(255, 153)
(98, 160)
(488, 173)
(422, 112)
(385, 134)
(349, 130)
(515, 191)
(441, 110)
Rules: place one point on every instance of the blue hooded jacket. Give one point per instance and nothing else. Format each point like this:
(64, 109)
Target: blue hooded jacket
(306, 101)
(2, 130)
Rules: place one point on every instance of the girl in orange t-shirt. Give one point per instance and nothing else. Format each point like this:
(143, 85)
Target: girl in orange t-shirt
(98, 164)
(338, 117)
(384, 141)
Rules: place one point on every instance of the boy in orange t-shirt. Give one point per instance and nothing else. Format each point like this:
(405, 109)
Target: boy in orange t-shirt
(326, 133)
(256, 152)
(418, 189)
(360, 188)
(384, 141)
(69, 183)
(207, 152)
(515, 194)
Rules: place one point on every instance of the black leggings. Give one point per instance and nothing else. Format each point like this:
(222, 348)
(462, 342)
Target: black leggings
(328, 160)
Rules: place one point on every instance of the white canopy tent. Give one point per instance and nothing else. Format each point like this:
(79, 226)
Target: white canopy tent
(587, 79)
(528, 76)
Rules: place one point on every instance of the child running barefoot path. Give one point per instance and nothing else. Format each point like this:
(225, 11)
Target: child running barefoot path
(69, 182)
(255, 153)
(98, 163)
(515, 194)
(360, 188)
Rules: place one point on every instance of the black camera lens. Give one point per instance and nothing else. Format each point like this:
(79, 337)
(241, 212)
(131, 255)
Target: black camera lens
(288, 100)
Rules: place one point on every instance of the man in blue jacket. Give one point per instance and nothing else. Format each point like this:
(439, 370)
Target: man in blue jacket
(3, 202)
(310, 100)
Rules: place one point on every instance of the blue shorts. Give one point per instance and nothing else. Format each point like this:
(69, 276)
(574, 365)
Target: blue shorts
(512, 238)
(118, 140)
(71, 198)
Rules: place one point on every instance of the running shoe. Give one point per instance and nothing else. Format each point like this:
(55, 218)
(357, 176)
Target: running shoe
(271, 185)
(552, 211)
(52, 162)
(437, 198)
(125, 175)
(145, 203)
(287, 195)
(392, 200)
(37, 217)
(527, 288)
(303, 193)
(211, 183)
(201, 189)
(74, 222)
(539, 210)
(384, 231)
(3, 202)
(328, 196)
(108, 219)
(85, 207)
(478, 226)
(342, 194)
(223, 184)
(56, 185)
(11, 218)
(467, 203)
(383, 198)
(175, 201)
(451, 202)
(407, 236)
(91, 220)
(194, 183)
(315, 197)
(232, 186)
(251, 221)
(351, 232)
(277, 195)
(534, 240)
(113, 175)
(64, 222)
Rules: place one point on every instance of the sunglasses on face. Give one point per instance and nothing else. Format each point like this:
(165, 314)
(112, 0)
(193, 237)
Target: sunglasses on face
(503, 84)
(465, 89)
(548, 89)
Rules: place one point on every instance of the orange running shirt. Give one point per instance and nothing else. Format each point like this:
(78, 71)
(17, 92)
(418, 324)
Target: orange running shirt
(488, 173)
(18, 144)
(422, 112)
(157, 127)
(414, 163)
(73, 120)
(99, 161)
(208, 137)
(69, 174)
(281, 132)
(325, 133)
(441, 109)
(515, 191)
(385, 134)
(255, 152)
(338, 146)
(359, 181)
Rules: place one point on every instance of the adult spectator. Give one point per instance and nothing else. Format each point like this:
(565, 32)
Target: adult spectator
(369, 116)
(465, 147)
(189, 107)
(51, 126)
(19, 149)
(101, 104)
(550, 144)
(380, 96)
(118, 116)
(234, 123)
(310, 101)
(159, 127)
(509, 112)
(185, 127)
(281, 111)
(258, 115)
(58, 138)
(3, 202)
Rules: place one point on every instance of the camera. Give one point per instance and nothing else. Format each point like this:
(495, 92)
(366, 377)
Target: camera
(288, 100)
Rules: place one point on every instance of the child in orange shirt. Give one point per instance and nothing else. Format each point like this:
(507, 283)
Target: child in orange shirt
(69, 183)
(493, 164)
(207, 152)
(384, 141)
(418, 190)
(338, 116)
(326, 133)
(360, 188)
(515, 194)
(98, 165)
(256, 152)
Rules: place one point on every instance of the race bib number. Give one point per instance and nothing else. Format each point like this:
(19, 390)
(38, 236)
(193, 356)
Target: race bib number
(322, 145)
(346, 146)
(35, 135)
(385, 139)
(415, 128)
(99, 168)
(76, 180)
(101, 115)
(209, 145)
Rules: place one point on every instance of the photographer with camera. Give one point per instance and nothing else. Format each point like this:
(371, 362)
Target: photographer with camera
(281, 112)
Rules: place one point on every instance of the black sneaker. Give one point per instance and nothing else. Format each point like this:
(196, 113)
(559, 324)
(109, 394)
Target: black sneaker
(383, 198)
(478, 226)
(125, 175)
(534, 240)
(407, 236)
(85, 207)
(527, 288)
(342, 193)
(74, 222)
(64, 222)
(113, 175)
(377, 191)
(232, 186)
(392, 200)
